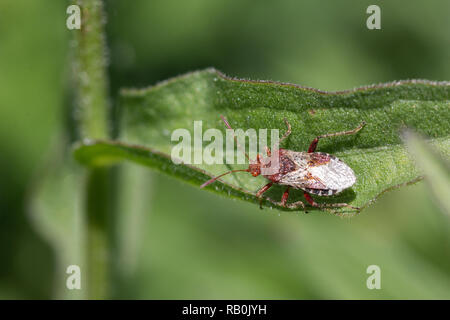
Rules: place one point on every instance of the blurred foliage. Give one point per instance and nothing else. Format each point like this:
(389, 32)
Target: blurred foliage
(175, 241)
(435, 166)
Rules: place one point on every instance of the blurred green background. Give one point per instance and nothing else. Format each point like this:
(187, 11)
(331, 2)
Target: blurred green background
(179, 241)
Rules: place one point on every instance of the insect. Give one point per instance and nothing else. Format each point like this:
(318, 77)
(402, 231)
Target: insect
(313, 172)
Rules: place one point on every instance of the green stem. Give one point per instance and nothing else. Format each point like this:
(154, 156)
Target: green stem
(89, 71)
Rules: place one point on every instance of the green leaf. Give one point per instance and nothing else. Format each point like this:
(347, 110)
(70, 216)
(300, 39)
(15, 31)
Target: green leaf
(436, 168)
(376, 153)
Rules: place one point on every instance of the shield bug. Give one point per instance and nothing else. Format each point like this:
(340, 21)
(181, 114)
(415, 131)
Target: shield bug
(313, 172)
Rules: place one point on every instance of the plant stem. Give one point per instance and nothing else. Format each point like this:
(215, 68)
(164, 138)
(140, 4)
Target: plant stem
(89, 70)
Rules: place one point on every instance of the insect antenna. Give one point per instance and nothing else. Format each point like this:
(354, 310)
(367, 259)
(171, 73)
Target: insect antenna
(215, 178)
(234, 136)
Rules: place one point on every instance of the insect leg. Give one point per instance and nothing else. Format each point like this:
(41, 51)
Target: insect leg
(296, 205)
(285, 197)
(293, 205)
(313, 144)
(264, 189)
(326, 205)
(261, 191)
(287, 133)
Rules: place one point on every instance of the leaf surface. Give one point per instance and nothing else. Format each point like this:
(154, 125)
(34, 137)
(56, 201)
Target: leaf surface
(376, 154)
